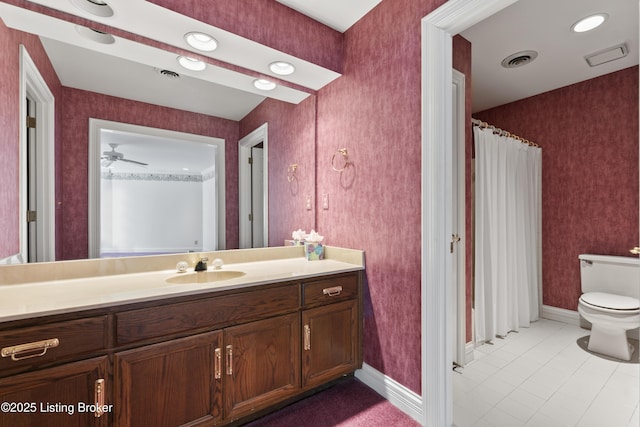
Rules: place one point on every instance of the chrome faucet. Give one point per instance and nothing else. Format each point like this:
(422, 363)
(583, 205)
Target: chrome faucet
(202, 264)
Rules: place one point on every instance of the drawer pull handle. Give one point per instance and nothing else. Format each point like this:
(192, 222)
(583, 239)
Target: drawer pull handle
(99, 393)
(307, 337)
(229, 360)
(218, 363)
(332, 292)
(26, 351)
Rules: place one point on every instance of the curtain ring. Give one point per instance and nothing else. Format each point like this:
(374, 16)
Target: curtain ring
(345, 155)
(291, 172)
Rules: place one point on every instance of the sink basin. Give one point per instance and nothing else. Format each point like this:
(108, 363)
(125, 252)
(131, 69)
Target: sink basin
(205, 276)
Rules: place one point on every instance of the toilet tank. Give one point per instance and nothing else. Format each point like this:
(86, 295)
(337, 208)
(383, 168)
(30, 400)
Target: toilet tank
(611, 274)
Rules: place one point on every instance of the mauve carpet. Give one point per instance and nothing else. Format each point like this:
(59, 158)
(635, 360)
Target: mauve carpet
(347, 403)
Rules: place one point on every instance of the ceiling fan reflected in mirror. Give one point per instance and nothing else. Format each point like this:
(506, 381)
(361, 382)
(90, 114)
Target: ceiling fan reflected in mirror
(110, 157)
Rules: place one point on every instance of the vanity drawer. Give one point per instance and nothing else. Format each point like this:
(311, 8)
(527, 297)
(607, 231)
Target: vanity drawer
(327, 291)
(37, 345)
(210, 313)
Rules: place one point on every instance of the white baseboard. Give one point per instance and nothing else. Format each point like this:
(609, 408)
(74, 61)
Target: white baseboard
(401, 397)
(573, 318)
(561, 315)
(468, 352)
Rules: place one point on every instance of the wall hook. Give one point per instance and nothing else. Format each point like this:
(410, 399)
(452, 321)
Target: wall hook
(291, 172)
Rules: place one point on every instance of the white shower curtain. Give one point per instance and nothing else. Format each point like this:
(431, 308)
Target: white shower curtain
(507, 235)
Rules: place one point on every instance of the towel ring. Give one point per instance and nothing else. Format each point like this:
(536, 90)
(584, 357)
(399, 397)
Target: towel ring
(345, 155)
(291, 172)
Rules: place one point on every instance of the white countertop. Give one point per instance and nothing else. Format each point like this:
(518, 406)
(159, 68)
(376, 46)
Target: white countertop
(62, 296)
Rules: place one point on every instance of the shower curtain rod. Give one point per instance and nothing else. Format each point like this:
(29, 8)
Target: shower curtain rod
(498, 131)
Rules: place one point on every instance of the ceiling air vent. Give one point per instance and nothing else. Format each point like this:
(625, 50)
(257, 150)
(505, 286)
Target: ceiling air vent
(519, 59)
(607, 55)
(168, 74)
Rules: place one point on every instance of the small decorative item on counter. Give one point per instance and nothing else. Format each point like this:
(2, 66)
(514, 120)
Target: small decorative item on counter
(182, 266)
(298, 237)
(313, 248)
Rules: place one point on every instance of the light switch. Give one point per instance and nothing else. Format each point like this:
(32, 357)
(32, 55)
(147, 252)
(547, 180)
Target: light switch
(308, 204)
(325, 201)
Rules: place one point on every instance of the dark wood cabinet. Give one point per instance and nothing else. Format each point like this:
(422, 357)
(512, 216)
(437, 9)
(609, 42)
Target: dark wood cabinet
(262, 364)
(330, 338)
(64, 396)
(170, 384)
(211, 359)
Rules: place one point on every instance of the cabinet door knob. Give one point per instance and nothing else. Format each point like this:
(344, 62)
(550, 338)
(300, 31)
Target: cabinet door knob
(218, 363)
(307, 337)
(229, 360)
(99, 393)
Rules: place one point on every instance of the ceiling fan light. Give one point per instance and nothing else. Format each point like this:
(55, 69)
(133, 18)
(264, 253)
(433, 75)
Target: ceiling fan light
(589, 23)
(201, 41)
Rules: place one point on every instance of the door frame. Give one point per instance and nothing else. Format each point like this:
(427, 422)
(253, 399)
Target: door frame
(33, 84)
(257, 136)
(458, 303)
(438, 28)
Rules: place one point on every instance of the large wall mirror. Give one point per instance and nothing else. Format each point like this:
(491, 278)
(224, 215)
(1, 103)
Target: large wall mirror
(108, 86)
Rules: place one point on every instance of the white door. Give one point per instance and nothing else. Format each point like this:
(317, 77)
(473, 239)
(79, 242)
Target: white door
(257, 197)
(253, 195)
(457, 247)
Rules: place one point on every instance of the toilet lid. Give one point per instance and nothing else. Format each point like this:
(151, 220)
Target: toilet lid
(611, 301)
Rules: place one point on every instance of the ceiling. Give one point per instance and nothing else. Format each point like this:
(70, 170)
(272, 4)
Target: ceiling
(129, 69)
(337, 14)
(544, 26)
(540, 25)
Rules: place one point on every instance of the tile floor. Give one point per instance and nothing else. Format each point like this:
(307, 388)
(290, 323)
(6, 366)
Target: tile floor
(542, 377)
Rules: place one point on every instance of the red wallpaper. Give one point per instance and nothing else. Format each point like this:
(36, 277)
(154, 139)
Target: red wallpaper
(373, 111)
(79, 106)
(10, 41)
(292, 135)
(589, 138)
(269, 23)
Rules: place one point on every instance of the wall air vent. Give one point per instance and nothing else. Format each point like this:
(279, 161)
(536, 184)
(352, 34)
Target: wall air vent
(607, 55)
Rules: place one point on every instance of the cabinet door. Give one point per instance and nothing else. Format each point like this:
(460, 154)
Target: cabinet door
(262, 364)
(169, 384)
(329, 339)
(63, 396)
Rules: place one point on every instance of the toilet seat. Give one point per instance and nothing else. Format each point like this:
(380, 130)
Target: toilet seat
(610, 302)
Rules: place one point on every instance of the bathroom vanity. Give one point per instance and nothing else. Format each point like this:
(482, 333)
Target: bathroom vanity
(190, 353)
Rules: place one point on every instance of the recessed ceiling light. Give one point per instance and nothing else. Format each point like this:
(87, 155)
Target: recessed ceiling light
(201, 41)
(282, 68)
(95, 35)
(191, 63)
(94, 7)
(589, 23)
(264, 84)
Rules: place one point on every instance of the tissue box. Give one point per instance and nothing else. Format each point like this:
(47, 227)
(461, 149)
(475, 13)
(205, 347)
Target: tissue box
(314, 251)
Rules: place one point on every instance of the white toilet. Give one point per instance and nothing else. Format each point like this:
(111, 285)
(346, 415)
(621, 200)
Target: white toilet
(610, 301)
